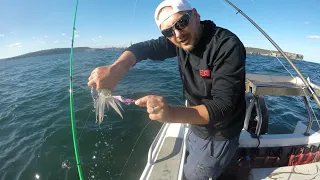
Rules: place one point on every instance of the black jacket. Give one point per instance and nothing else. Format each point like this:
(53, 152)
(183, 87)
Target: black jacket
(213, 74)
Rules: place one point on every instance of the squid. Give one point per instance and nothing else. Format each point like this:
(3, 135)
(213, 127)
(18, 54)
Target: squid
(103, 97)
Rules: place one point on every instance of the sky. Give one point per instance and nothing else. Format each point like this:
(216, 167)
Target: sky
(28, 26)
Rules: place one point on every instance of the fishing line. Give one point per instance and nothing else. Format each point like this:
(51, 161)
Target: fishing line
(117, 54)
(137, 142)
(282, 53)
(88, 115)
(304, 91)
(72, 115)
(228, 6)
(310, 88)
(303, 88)
(179, 101)
(142, 129)
(84, 125)
(134, 10)
(133, 149)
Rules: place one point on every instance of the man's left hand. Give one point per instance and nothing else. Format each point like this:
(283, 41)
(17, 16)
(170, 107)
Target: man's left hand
(157, 107)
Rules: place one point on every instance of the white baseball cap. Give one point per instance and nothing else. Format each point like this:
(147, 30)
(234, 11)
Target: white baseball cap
(177, 6)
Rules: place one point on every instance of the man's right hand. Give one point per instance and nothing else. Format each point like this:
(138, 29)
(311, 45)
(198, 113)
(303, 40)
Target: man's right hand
(107, 77)
(104, 77)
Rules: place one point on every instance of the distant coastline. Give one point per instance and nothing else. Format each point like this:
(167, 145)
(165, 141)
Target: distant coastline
(265, 52)
(61, 51)
(249, 50)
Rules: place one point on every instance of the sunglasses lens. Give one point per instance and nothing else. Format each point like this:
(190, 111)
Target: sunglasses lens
(167, 32)
(181, 24)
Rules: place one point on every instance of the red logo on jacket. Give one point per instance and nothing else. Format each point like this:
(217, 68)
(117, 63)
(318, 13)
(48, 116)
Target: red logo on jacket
(204, 73)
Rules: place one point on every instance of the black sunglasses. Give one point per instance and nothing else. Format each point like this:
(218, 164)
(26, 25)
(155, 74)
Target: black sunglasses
(182, 23)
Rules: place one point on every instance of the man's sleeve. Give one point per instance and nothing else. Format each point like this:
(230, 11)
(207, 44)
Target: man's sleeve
(228, 82)
(155, 49)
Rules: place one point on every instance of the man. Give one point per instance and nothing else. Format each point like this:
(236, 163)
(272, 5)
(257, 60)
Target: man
(212, 68)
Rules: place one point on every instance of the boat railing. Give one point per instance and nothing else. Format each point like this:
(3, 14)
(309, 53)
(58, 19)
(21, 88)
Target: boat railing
(306, 102)
(159, 138)
(155, 147)
(274, 85)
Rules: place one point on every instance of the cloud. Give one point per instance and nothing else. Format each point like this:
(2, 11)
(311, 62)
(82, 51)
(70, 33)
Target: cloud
(1, 35)
(96, 39)
(306, 22)
(40, 42)
(313, 37)
(33, 37)
(14, 45)
(76, 34)
(56, 41)
(45, 36)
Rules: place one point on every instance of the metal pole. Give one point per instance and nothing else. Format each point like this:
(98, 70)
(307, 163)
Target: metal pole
(248, 114)
(307, 133)
(259, 115)
(311, 91)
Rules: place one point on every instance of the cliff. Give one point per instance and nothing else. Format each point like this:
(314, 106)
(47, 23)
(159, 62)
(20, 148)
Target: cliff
(264, 52)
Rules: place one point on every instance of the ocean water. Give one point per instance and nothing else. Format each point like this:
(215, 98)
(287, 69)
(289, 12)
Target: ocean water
(35, 130)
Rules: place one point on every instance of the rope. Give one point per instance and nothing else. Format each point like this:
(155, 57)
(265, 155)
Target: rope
(74, 132)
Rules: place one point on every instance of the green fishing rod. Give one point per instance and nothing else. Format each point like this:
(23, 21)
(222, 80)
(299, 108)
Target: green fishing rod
(309, 87)
(74, 131)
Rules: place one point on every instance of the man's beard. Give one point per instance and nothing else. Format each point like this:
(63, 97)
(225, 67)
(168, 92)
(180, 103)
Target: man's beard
(193, 40)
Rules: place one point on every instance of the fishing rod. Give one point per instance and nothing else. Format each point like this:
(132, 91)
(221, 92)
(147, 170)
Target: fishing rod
(311, 91)
(74, 132)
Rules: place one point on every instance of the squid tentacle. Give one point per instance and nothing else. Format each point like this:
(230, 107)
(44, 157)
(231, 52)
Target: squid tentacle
(103, 98)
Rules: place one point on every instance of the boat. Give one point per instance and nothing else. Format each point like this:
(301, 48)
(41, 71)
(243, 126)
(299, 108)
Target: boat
(260, 155)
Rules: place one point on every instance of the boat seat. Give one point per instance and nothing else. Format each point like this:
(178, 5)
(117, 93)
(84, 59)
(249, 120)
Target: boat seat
(299, 172)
